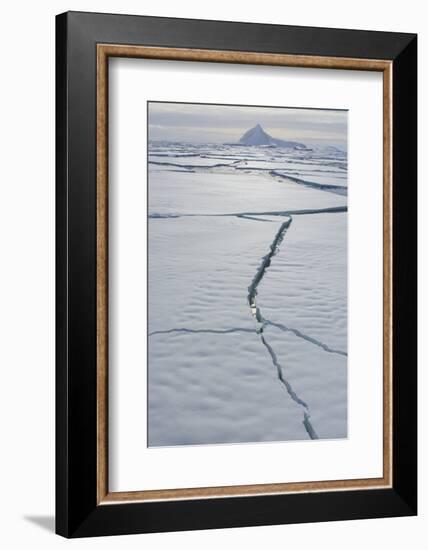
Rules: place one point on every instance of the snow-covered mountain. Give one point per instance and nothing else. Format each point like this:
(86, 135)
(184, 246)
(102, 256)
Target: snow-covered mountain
(328, 150)
(257, 136)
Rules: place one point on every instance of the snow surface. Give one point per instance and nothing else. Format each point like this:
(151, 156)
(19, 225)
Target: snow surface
(216, 374)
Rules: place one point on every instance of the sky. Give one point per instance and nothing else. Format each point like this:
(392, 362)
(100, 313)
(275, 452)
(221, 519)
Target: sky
(199, 123)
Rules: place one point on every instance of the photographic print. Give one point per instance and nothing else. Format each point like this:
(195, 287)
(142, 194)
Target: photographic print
(247, 274)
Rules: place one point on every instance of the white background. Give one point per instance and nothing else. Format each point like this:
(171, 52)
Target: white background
(132, 465)
(27, 273)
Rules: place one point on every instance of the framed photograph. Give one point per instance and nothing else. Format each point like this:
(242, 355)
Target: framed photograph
(236, 274)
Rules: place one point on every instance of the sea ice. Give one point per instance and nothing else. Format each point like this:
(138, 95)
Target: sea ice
(215, 374)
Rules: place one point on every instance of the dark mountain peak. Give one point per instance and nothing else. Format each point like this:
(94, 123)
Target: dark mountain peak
(257, 136)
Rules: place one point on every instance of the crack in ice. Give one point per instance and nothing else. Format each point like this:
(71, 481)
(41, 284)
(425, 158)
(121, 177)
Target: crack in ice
(296, 332)
(338, 189)
(266, 261)
(309, 339)
(262, 322)
(201, 331)
(252, 218)
(279, 213)
(306, 413)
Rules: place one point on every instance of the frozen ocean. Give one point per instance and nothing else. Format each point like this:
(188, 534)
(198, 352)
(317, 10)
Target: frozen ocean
(247, 294)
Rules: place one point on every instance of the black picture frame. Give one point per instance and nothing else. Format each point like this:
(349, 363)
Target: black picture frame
(78, 513)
